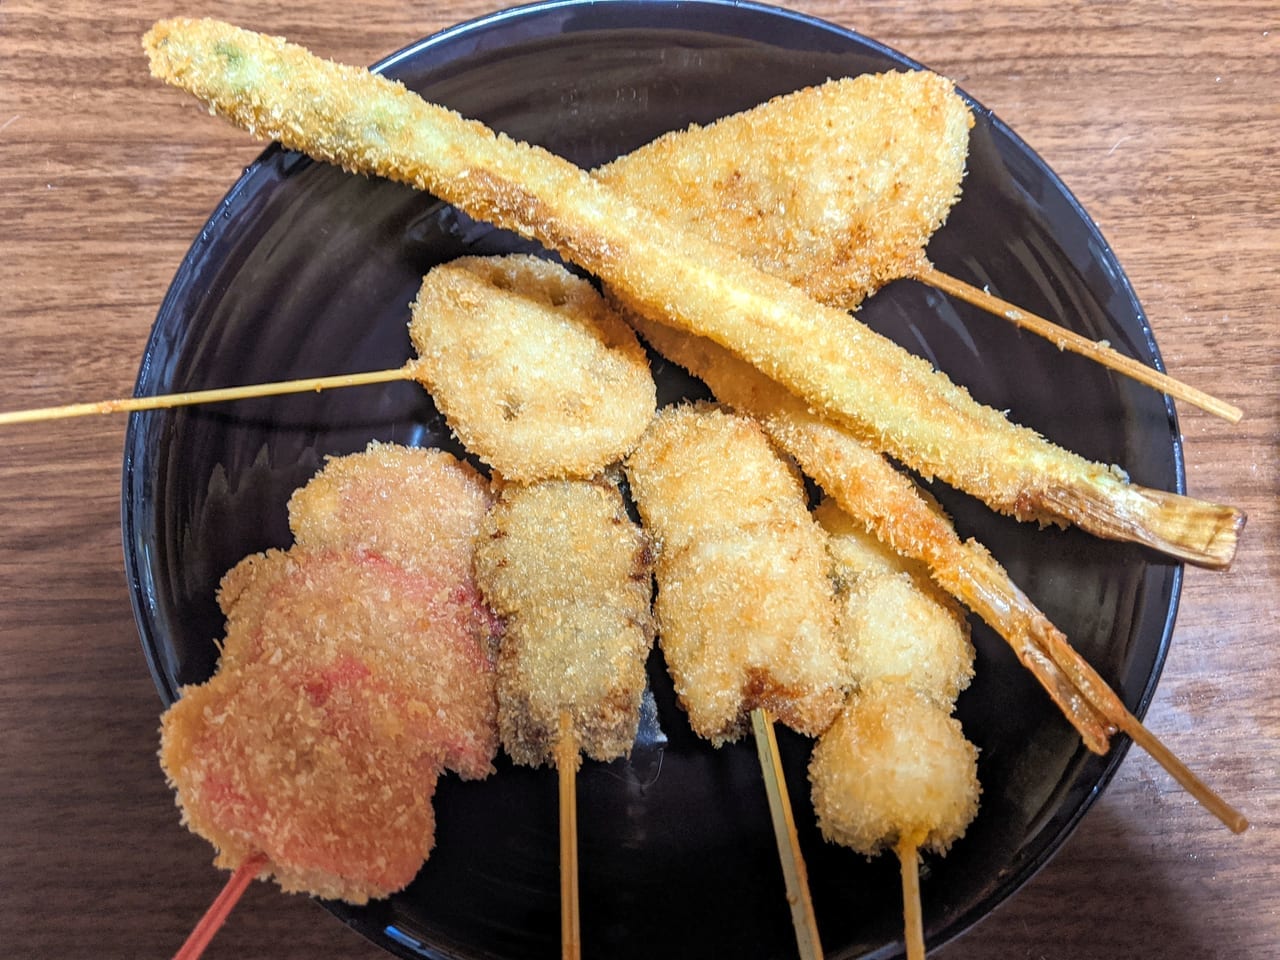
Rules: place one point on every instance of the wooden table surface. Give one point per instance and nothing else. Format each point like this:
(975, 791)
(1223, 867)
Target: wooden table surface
(1162, 117)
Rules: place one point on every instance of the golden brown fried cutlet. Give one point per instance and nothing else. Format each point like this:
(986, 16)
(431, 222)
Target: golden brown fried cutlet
(570, 572)
(835, 188)
(535, 373)
(357, 665)
(745, 609)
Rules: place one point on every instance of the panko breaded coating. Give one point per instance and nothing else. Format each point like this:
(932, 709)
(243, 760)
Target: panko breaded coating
(417, 507)
(858, 552)
(571, 573)
(894, 622)
(429, 633)
(321, 766)
(842, 187)
(894, 766)
(868, 488)
(653, 265)
(357, 665)
(534, 371)
(745, 609)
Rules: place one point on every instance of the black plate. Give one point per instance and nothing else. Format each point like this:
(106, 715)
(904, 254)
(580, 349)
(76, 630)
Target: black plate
(304, 271)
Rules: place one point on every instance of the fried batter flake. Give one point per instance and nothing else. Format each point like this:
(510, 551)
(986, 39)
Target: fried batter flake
(571, 573)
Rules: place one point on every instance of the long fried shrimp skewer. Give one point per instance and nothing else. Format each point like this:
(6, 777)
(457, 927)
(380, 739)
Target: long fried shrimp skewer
(363, 122)
(868, 488)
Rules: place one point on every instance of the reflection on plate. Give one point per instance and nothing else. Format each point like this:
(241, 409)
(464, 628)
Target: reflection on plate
(305, 271)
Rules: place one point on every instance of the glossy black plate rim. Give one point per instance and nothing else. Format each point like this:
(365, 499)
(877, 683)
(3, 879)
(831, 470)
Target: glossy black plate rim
(541, 20)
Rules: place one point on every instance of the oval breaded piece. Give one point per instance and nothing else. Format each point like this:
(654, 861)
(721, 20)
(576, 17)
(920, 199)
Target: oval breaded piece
(856, 176)
(418, 507)
(745, 608)
(895, 623)
(894, 766)
(535, 373)
(571, 573)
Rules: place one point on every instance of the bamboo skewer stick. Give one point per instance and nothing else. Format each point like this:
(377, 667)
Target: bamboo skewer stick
(1064, 338)
(913, 919)
(567, 766)
(218, 395)
(784, 829)
(1234, 820)
(1070, 340)
(203, 932)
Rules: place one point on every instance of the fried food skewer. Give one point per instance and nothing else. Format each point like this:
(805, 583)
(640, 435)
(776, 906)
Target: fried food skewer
(566, 567)
(356, 667)
(868, 488)
(745, 611)
(367, 123)
(820, 199)
(894, 770)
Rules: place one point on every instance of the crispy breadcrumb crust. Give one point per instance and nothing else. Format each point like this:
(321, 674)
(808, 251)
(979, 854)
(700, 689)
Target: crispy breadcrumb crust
(856, 176)
(570, 571)
(745, 610)
(894, 765)
(536, 374)
(356, 666)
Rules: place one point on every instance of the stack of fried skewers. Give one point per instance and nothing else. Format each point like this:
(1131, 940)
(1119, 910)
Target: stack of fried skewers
(827, 416)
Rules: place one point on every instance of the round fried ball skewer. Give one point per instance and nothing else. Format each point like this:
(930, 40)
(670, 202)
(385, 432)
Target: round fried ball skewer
(357, 666)
(895, 770)
(570, 573)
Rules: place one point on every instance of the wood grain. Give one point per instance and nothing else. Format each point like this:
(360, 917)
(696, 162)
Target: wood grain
(1160, 116)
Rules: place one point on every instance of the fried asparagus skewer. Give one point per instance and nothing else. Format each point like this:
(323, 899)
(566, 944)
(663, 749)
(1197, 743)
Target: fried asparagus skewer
(868, 488)
(562, 562)
(816, 201)
(839, 192)
(367, 123)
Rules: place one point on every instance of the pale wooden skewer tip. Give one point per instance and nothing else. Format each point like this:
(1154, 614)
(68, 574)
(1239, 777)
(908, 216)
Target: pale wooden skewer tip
(567, 767)
(794, 874)
(217, 395)
(1070, 340)
(912, 916)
